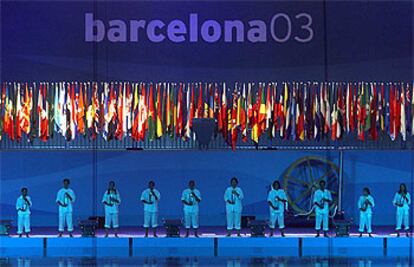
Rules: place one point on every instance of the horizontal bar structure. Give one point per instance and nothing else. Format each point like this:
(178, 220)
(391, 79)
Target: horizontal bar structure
(252, 115)
(206, 246)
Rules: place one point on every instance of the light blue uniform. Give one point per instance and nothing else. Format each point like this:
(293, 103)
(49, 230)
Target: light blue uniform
(365, 217)
(111, 212)
(65, 213)
(233, 211)
(322, 214)
(191, 211)
(23, 214)
(403, 212)
(278, 213)
(150, 210)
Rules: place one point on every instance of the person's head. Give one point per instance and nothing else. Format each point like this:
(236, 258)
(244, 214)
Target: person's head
(151, 184)
(234, 182)
(24, 191)
(322, 184)
(66, 183)
(403, 188)
(366, 191)
(111, 185)
(276, 185)
(191, 184)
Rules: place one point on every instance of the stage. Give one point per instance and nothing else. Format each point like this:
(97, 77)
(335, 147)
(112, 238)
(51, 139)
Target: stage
(213, 242)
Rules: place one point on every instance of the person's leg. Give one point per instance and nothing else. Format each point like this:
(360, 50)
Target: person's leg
(230, 222)
(194, 222)
(27, 224)
(69, 223)
(146, 225)
(237, 222)
(325, 224)
(154, 219)
(362, 222)
(187, 223)
(399, 220)
(61, 223)
(107, 223)
(20, 224)
(369, 224)
(115, 223)
(281, 222)
(318, 221)
(272, 222)
(406, 222)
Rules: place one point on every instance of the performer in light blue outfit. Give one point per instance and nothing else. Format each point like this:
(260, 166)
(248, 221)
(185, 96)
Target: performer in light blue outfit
(233, 197)
(65, 198)
(365, 205)
(321, 200)
(23, 205)
(111, 200)
(402, 201)
(277, 200)
(150, 198)
(190, 198)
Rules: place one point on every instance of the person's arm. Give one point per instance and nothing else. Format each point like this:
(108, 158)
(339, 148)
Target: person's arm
(396, 201)
(183, 198)
(408, 197)
(105, 200)
(144, 200)
(58, 197)
(118, 198)
(269, 200)
(241, 195)
(18, 205)
(227, 199)
(316, 200)
(197, 196)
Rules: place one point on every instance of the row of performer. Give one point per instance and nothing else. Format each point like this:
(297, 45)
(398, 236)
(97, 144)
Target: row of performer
(233, 197)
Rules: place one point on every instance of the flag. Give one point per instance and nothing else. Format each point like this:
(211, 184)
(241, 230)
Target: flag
(361, 112)
(142, 113)
(18, 114)
(373, 112)
(243, 114)
(300, 116)
(80, 115)
(234, 126)
(261, 120)
(179, 112)
(159, 110)
(190, 111)
(269, 106)
(151, 114)
(403, 127)
(223, 112)
(127, 119)
(199, 110)
(25, 122)
(119, 134)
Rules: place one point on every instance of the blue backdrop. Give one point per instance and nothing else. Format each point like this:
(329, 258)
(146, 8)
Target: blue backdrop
(42, 172)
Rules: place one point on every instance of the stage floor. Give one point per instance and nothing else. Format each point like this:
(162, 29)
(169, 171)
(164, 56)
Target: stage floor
(213, 243)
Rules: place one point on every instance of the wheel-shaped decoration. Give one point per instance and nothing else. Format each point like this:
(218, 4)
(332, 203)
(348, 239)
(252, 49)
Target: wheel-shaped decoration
(302, 178)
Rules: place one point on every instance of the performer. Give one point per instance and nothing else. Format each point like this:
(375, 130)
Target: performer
(321, 200)
(150, 198)
(65, 198)
(190, 198)
(402, 201)
(365, 205)
(23, 205)
(233, 197)
(111, 200)
(277, 204)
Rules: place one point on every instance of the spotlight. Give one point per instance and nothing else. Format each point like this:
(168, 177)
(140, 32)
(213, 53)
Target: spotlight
(172, 227)
(257, 228)
(5, 226)
(88, 227)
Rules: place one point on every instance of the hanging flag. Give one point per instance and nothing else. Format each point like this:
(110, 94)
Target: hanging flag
(361, 112)
(223, 113)
(269, 106)
(151, 115)
(300, 116)
(261, 120)
(119, 134)
(403, 127)
(373, 112)
(80, 115)
(190, 111)
(159, 110)
(143, 113)
(234, 126)
(243, 114)
(25, 122)
(199, 110)
(18, 114)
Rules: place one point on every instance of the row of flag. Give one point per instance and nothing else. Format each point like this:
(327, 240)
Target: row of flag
(288, 110)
